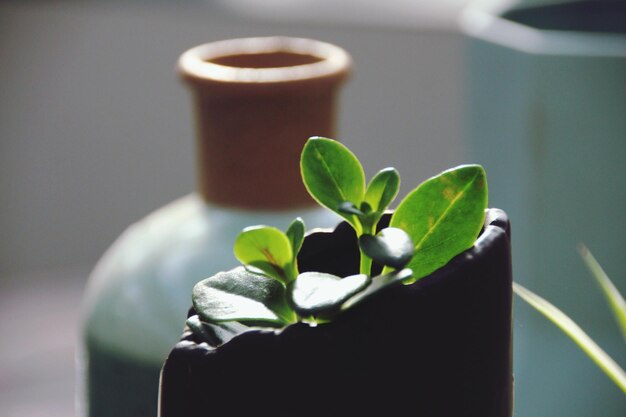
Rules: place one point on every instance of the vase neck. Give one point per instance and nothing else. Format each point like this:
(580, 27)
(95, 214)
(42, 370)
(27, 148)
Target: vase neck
(256, 102)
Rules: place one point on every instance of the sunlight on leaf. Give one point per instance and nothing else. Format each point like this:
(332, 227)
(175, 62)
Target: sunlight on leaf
(443, 216)
(332, 175)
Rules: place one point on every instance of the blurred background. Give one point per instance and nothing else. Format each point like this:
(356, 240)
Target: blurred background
(96, 131)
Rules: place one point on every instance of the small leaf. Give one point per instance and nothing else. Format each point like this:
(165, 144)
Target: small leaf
(265, 248)
(295, 233)
(348, 207)
(213, 333)
(382, 189)
(443, 216)
(390, 247)
(612, 294)
(238, 295)
(319, 294)
(332, 175)
(570, 328)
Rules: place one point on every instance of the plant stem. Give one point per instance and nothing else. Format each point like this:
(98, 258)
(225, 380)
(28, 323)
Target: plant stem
(366, 261)
(366, 264)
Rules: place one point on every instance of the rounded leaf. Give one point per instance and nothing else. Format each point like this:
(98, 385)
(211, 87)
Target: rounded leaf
(332, 174)
(390, 247)
(443, 216)
(265, 248)
(320, 294)
(239, 295)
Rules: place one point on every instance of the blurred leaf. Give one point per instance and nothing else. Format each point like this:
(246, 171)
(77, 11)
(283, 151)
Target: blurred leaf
(443, 216)
(567, 325)
(238, 295)
(613, 296)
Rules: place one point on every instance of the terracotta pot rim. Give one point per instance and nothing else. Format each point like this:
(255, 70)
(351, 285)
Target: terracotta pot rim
(313, 60)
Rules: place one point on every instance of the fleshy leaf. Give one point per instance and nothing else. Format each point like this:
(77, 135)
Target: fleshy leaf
(390, 247)
(265, 248)
(332, 175)
(382, 189)
(295, 233)
(239, 295)
(570, 328)
(318, 294)
(214, 334)
(443, 216)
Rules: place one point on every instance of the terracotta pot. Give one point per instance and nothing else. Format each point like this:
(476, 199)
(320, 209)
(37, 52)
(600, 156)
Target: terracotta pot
(257, 101)
(440, 347)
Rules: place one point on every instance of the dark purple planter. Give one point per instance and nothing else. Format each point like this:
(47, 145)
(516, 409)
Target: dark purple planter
(438, 348)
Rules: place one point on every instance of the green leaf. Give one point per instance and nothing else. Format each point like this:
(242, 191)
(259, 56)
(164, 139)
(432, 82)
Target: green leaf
(317, 294)
(332, 175)
(382, 189)
(265, 248)
(613, 296)
(390, 247)
(569, 327)
(239, 295)
(295, 233)
(348, 207)
(443, 216)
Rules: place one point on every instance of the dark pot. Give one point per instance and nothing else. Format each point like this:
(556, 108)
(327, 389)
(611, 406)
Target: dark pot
(438, 347)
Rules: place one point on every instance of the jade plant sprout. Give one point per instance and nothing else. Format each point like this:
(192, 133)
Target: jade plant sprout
(436, 221)
(615, 301)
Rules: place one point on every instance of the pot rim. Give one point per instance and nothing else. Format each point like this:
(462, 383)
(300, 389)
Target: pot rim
(483, 19)
(325, 61)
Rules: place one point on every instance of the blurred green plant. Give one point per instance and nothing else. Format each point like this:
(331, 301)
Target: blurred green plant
(578, 335)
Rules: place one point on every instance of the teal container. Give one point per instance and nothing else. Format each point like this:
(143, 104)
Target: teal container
(546, 109)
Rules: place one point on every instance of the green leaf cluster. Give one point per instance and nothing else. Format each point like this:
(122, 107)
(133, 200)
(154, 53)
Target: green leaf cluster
(435, 222)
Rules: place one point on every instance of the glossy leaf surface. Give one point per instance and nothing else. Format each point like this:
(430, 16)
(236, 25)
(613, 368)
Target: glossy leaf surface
(332, 174)
(443, 216)
(320, 294)
(265, 248)
(239, 295)
(295, 233)
(214, 334)
(390, 247)
(382, 189)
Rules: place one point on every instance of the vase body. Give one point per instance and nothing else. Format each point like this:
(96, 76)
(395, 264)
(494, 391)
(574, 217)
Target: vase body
(440, 347)
(546, 106)
(256, 102)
